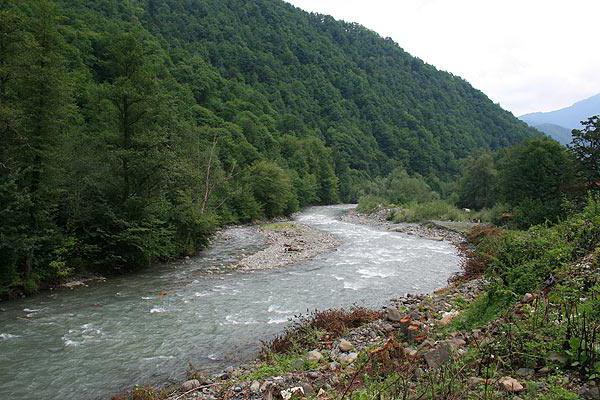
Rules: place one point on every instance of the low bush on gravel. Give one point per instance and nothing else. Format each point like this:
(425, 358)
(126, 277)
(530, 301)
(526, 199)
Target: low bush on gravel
(307, 331)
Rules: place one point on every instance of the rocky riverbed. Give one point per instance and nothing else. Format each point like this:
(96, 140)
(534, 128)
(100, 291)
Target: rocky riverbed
(428, 230)
(326, 369)
(414, 338)
(288, 243)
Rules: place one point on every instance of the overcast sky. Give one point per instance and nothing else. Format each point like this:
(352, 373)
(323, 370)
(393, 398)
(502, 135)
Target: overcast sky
(527, 55)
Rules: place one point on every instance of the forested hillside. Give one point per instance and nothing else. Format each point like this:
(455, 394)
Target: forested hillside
(130, 130)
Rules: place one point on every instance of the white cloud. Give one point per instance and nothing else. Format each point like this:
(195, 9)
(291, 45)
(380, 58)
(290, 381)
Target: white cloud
(528, 55)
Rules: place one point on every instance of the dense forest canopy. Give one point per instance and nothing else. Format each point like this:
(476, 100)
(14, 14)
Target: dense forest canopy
(131, 129)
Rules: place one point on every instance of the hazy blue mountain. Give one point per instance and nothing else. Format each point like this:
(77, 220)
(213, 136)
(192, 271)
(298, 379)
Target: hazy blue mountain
(569, 117)
(556, 132)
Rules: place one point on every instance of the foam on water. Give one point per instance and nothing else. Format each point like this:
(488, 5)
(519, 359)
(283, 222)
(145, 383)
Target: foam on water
(7, 336)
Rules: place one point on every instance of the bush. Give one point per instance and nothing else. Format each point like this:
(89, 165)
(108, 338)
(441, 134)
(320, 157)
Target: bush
(433, 210)
(370, 203)
(305, 330)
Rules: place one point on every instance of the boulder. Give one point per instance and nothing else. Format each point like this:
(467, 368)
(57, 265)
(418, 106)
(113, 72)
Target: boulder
(190, 385)
(511, 385)
(314, 355)
(345, 346)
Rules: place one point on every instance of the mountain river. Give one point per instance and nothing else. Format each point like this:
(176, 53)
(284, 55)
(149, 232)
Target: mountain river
(91, 342)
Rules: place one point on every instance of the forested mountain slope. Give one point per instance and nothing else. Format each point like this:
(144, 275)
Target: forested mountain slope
(131, 129)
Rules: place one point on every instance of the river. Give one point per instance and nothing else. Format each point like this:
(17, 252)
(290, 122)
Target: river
(145, 328)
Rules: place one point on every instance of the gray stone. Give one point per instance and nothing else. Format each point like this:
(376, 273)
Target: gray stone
(308, 389)
(525, 372)
(392, 314)
(438, 355)
(313, 375)
(298, 364)
(314, 355)
(190, 385)
(557, 357)
(346, 359)
(590, 393)
(255, 387)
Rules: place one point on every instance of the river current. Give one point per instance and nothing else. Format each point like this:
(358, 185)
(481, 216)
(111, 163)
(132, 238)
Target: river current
(91, 342)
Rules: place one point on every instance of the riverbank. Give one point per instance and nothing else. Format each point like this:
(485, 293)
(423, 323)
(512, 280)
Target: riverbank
(277, 370)
(465, 341)
(430, 230)
(288, 243)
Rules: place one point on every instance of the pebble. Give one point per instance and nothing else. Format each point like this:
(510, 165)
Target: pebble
(314, 355)
(345, 346)
(346, 359)
(511, 385)
(392, 314)
(190, 385)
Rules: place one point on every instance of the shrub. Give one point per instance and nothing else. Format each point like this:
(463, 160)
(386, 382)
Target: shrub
(433, 210)
(306, 330)
(370, 203)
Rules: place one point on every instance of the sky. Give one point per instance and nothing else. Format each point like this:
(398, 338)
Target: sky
(526, 55)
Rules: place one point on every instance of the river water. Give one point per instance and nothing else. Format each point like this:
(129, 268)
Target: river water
(145, 328)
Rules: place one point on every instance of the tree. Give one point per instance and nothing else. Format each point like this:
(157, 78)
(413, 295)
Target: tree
(534, 178)
(35, 113)
(272, 188)
(586, 147)
(477, 184)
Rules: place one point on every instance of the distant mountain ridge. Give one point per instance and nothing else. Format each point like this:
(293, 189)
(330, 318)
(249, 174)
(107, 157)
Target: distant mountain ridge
(558, 124)
(556, 132)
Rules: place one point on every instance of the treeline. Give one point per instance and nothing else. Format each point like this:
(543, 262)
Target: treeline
(109, 162)
(535, 182)
(131, 130)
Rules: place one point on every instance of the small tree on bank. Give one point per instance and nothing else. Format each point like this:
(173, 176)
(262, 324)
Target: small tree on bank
(586, 147)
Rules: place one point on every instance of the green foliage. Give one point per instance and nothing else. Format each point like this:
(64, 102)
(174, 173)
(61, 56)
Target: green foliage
(433, 210)
(401, 188)
(280, 364)
(534, 178)
(477, 185)
(369, 203)
(272, 188)
(586, 147)
(134, 131)
(487, 307)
